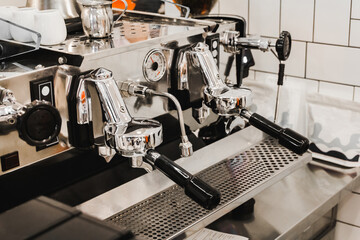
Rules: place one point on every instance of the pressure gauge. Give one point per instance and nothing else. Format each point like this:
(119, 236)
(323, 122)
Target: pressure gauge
(154, 65)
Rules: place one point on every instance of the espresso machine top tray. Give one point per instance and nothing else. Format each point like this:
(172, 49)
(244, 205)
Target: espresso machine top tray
(134, 28)
(152, 202)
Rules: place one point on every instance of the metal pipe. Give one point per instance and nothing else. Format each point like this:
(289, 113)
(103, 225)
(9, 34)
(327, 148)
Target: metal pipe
(185, 146)
(177, 105)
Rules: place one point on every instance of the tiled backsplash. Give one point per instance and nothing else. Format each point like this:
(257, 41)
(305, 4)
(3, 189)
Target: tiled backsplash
(325, 58)
(18, 3)
(326, 39)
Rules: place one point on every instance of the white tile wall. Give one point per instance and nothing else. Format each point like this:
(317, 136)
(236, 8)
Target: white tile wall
(333, 63)
(294, 93)
(295, 65)
(332, 19)
(264, 93)
(298, 20)
(17, 3)
(346, 232)
(336, 90)
(266, 77)
(357, 99)
(355, 33)
(355, 10)
(346, 209)
(238, 7)
(320, 26)
(252, 75)
(264, 17)
(308, 86)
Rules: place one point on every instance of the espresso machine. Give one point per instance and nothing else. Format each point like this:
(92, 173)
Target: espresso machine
(87, 123)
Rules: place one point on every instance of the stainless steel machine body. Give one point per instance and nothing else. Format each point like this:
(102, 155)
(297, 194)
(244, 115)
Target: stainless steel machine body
(135, 42)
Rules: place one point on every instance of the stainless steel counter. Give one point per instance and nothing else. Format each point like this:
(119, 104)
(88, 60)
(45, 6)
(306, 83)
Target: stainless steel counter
(240, 166)
(301, 206)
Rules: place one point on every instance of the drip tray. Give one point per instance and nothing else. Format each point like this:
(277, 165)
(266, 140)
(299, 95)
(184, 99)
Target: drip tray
(171, 214)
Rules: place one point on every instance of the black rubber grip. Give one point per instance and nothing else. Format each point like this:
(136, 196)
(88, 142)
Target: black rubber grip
(287, 137)
(229, 64)
(195, 188)
(281, 74)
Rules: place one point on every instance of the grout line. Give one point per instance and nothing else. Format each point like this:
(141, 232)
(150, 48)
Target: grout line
(312, 79)
(320, 43)
(306, 56)
(353, 94)
(350, 224)
(333, 45)
(350, 23)
(313, 32)
(354, 18)
(318, 86)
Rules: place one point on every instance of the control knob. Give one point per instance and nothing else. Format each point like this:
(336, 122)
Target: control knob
(283, 45)
(39, 124)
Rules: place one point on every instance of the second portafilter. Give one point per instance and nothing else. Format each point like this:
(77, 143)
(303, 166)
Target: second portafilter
(231, 101)
(136, 138)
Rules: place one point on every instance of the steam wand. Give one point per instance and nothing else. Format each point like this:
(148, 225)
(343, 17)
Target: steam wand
(143, 91)
(283, 49)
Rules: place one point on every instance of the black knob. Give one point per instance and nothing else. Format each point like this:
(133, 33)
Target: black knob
(40, 124)
(283, 45)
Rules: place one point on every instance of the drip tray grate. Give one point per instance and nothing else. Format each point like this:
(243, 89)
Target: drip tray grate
(169, 212)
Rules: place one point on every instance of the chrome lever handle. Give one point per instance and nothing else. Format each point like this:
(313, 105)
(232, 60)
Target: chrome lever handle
(203, 58)
(112, 103)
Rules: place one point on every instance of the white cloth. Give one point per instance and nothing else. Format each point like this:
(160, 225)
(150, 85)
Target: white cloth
(334, 127)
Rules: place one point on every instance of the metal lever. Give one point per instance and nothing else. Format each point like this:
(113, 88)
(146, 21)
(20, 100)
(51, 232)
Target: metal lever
(195, 188)
(113, 105)
(203, 58)
(233, 42)
(114, 108)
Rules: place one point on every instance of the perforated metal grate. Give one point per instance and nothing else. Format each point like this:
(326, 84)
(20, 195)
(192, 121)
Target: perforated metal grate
(169, 212)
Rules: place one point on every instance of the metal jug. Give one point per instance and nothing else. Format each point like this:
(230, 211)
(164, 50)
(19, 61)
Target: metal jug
(97, 17)
(68, 8)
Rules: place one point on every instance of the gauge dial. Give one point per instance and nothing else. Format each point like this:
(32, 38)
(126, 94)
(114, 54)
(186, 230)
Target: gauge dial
(154, 65)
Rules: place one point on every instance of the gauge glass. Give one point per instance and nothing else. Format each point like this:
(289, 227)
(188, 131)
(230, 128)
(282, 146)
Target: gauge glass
(154, 65)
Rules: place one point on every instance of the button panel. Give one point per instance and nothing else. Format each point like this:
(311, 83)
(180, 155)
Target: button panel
(213, 42)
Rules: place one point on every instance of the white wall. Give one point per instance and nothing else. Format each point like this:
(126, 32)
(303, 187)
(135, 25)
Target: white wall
(17, 3)
(325, 58)
(326, 34)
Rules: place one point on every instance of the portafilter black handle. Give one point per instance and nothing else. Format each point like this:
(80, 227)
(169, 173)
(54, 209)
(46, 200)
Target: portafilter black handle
(195, 188)
(287, 137)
